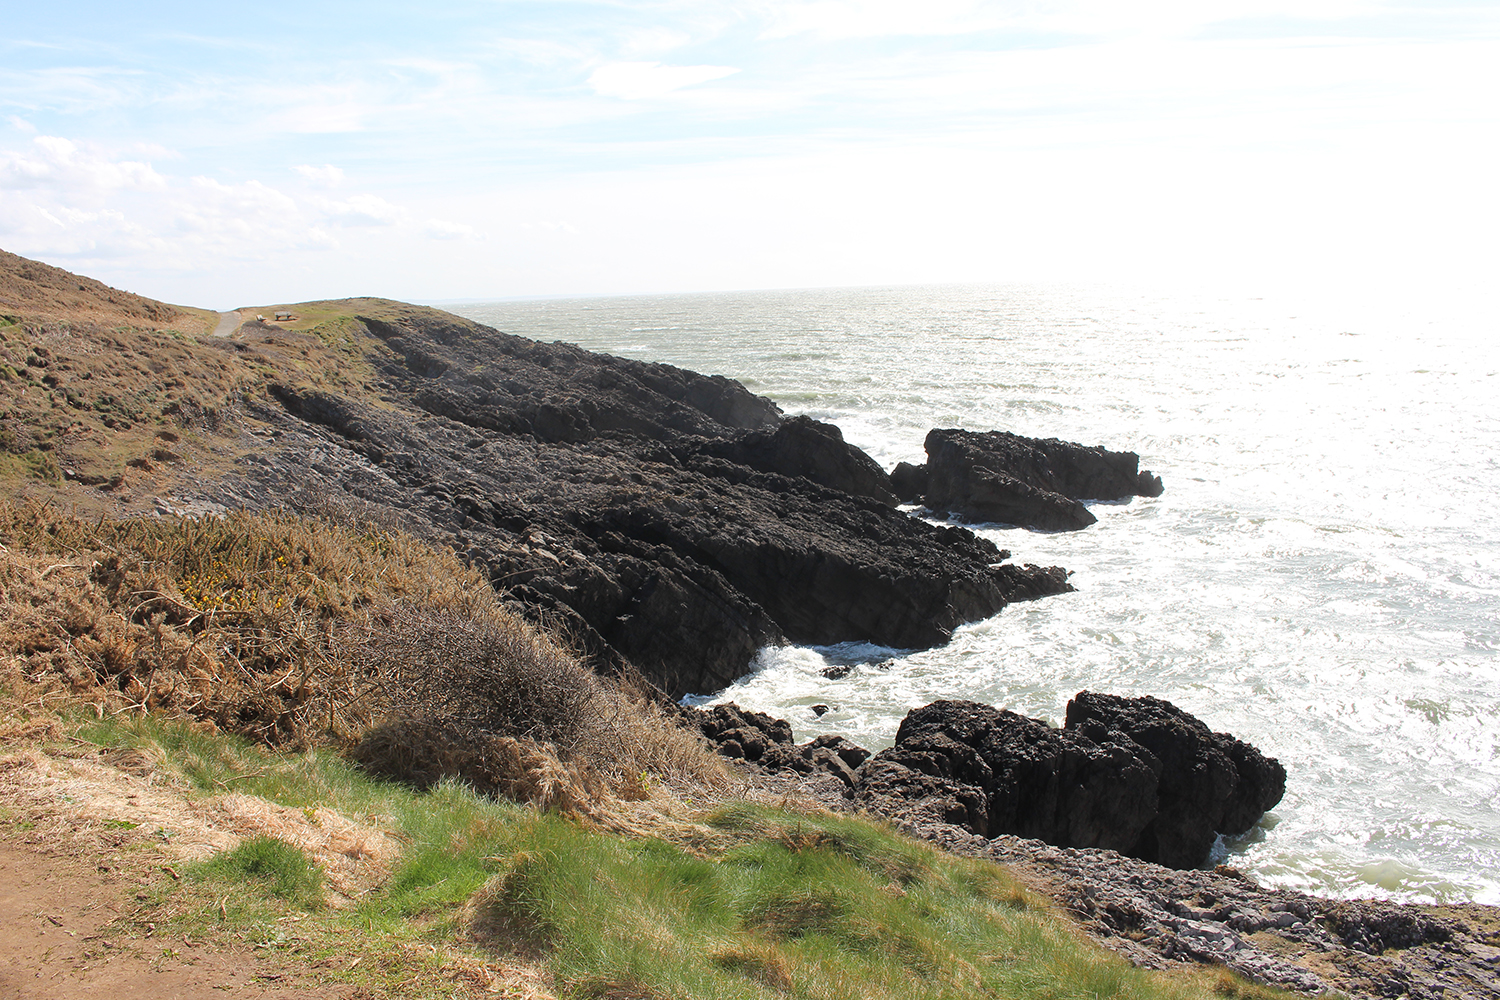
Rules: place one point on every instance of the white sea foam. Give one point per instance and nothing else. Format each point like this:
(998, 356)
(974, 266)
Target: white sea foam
(1321, 577)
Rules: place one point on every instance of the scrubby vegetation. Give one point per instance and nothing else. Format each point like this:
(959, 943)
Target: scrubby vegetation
(723, 899)
(230, 621)
(548, 831)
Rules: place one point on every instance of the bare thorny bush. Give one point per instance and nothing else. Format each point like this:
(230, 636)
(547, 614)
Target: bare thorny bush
(484, 696)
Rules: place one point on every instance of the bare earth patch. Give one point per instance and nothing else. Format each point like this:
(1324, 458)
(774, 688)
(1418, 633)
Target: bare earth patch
(89, 831)
(58, 906)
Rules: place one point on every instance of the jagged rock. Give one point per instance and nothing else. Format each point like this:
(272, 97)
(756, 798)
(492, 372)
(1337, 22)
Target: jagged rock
(1037, 483)
(931, 775)
(1043, 783)
(767, 742)
(741, 734)
(802, 446)
(1134, 775)
(629, 503)
(716, 721)
(829, 754)
(909, 482)
(1210, 783)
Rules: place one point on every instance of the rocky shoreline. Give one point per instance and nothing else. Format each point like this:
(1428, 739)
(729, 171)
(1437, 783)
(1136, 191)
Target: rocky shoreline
(1153, 915)
(660, 518)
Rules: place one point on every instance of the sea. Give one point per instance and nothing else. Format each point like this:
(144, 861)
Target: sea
(1321, 577)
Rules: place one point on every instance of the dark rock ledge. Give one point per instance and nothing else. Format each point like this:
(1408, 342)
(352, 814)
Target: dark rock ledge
(953, 759)
(1032, 482)
(663, 519)
(1134, 775)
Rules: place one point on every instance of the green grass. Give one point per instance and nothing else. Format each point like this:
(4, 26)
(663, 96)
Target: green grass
(749, 902)
(271, 866)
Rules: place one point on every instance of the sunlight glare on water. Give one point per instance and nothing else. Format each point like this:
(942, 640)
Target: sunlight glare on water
(1321, 577)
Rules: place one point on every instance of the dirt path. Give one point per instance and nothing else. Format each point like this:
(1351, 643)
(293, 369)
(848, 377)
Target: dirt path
(228, 323)
(56, 912)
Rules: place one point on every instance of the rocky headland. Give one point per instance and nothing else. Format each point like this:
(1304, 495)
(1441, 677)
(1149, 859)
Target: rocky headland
(671, 524)
(663, 519)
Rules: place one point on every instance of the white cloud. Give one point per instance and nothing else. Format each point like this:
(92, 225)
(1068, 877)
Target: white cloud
(57, 162)
(653, 41)
(60, 199)
(632, 81)
(361, 210)
(325, 176)
(1085, 18)
(869, 18)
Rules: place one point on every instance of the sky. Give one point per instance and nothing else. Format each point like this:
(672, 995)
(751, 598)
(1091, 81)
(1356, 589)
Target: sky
(222, 155)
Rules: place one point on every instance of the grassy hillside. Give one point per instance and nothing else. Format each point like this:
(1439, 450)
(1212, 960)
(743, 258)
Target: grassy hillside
(111, 401)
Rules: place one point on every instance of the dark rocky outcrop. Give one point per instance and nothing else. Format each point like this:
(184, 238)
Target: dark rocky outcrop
(767, 742)
(740, 734)
(664, 518)
(802, 446)
(1048, 784)
(909, 482)
(1209, 782)
(1162, 918)
(1134, 775)
(1036, 483)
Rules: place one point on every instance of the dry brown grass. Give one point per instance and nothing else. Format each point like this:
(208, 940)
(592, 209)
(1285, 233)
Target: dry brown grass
(32, 289)
(760, 962)
(298, 632)
(227, 620)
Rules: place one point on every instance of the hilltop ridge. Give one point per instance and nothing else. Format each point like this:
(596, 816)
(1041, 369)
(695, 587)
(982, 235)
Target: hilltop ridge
(32, 288)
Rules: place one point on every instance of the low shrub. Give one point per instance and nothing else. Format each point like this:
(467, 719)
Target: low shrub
(228, 620)
(478, 693)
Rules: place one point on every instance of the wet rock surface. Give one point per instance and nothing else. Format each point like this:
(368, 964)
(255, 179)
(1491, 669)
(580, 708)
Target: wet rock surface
(1032, 482)
(662, 518)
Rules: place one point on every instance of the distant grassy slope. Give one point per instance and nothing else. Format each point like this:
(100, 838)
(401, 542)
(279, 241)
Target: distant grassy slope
(31, 289)
(109, 399)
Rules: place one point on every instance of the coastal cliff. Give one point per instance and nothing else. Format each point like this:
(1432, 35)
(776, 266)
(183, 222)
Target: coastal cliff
(673, 523)
(663, 519)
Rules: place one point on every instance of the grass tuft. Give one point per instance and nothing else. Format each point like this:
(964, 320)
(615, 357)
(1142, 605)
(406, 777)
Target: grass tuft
(273, 867)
